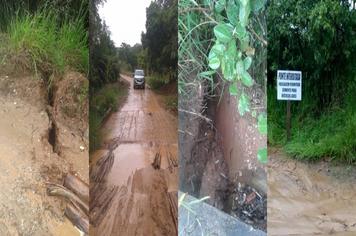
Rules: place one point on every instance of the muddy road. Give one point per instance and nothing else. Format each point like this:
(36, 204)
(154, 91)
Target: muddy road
(128, 195)
(310, 199)
(27, 162)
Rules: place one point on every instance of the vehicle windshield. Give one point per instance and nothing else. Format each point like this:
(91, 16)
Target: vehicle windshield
(139, 72)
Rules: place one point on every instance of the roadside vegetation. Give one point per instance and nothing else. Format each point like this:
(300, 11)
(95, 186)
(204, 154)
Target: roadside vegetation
(221, 44)
(106, 91)
(309, 36)
(106, 100)
(46, 37)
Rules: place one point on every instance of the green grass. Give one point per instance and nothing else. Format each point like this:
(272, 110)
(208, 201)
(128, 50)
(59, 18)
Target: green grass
(48, 46)
(331, 135)
(106, 99)
(157, 81)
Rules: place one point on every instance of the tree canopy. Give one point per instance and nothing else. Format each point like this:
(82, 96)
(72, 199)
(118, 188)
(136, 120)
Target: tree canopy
(161, 38)
(317, 37)
(104, 61)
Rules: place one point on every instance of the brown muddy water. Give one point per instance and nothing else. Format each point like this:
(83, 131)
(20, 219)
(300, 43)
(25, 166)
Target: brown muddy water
(310, 199)
(133, 198)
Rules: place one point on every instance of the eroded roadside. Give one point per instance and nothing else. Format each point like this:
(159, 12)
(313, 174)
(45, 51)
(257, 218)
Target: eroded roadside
(310, 199)
(130, 194)
(28, 158)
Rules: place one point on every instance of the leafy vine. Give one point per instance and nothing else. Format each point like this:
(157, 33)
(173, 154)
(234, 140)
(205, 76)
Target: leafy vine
(233, 54)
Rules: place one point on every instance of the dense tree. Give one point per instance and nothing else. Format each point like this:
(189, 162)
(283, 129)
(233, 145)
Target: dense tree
(161, 38)
(130, 55)
(104, 62)
(317, 37)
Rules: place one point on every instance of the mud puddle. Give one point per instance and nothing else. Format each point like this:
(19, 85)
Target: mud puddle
(130, 196)
(310, 199)
(27, 161)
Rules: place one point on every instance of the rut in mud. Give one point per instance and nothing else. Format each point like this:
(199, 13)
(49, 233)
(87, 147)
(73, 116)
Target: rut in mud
(130, 196)
(310, 199)
(28, 161)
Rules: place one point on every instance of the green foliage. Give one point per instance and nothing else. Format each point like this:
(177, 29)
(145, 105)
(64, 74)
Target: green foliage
(104, 60)
(244, 104)
(262, 124)
(215, 37)
(157, 81)
(160, 40)
(104, 100)
(232, 45)
(333, 135)
(49, 46)
(262, 155)
(132, 57)
(318, 38)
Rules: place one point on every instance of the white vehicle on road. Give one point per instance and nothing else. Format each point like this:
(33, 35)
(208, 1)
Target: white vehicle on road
(139, 79)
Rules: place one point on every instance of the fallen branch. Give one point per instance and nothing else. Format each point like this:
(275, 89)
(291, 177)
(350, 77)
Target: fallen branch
(59, 190)
(77, 218)
(77, 186)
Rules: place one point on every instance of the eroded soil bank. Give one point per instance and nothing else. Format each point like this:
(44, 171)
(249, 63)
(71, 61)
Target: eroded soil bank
(128, 195)
(34, 150)
(218, 155)
(310, 199)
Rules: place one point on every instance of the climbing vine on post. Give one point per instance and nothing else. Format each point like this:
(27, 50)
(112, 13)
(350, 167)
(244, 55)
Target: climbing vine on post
(233, 53)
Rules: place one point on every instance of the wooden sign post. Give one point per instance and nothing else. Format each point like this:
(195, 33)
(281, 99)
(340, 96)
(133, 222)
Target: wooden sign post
(289, 88)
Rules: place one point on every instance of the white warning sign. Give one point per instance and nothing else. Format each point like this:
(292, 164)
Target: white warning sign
(289, 85)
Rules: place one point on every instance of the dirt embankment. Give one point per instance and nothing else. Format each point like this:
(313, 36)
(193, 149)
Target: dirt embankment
(129, 194)
(43, 136)
(218, 153)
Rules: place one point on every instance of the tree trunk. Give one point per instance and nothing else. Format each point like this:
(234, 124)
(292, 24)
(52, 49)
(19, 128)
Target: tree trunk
(77, 186)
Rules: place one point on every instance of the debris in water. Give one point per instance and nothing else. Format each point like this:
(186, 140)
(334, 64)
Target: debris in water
(249, 206)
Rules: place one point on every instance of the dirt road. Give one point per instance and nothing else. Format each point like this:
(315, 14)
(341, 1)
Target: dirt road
(27, 161)
(310, 199)
(133, 198)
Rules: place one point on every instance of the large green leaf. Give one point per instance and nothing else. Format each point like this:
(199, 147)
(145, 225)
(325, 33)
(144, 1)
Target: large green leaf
(262, 123)
(247, 62)
(223, 32)
(232, 50)
(233, 89)
(246, 79)
(240, 31)
(220, 6)
(214, 61)
(218, 49)
(244, 43)
(232, 12)
(262, 155)
(244, 13)
(244, 104)
(256, 5)
(227, 67)
(240, 69)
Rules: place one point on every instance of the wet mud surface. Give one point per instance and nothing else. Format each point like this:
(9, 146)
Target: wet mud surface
(27, 162)
(310, 199)
(129, 195)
